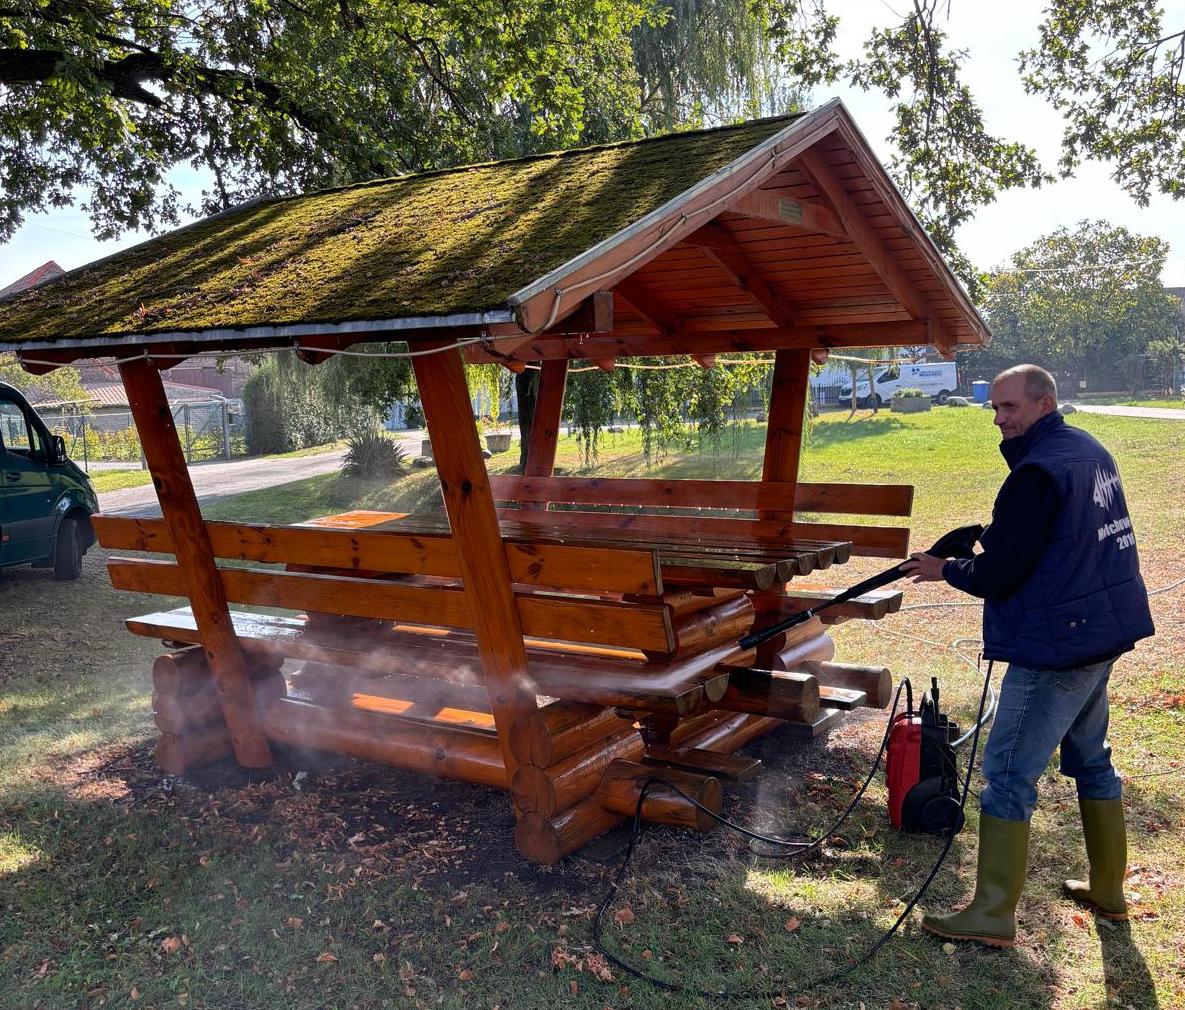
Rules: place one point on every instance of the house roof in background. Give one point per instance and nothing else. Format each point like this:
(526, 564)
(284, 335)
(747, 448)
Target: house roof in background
(46, 272)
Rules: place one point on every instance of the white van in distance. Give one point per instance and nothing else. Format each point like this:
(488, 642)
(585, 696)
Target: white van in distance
(937, 379)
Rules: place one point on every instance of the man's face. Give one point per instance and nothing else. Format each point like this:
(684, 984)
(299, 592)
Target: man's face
(1016, 412)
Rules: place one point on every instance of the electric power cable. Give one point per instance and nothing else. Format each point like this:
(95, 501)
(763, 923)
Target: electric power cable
(871, 952)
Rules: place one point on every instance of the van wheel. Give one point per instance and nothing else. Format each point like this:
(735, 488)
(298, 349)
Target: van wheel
(67, 555)
(943, 396)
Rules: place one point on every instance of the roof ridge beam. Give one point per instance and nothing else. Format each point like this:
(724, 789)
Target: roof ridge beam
(860, 233)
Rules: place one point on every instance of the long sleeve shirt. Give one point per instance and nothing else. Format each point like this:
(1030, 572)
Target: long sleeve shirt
(1021, 520)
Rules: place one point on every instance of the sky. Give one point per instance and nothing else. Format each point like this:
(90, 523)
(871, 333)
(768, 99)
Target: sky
(993, 33)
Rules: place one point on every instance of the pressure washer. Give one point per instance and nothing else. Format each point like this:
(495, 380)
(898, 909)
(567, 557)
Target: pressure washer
(921, 773)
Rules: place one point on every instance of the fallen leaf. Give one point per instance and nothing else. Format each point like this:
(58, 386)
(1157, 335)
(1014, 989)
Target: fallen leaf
(735, 938)
(1079, 920)
(465, 975)
(599, 967)
(171, 944)
(574, 987)
(793, 923)
(624, 915)
(326, 958)
(135, 993)
(780, 1001)
(294, 922)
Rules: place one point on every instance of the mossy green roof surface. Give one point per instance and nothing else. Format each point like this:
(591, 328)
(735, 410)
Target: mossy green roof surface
(460, 240)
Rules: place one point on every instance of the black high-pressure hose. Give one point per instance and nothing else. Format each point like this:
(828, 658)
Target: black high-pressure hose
(800, 849)
(958, 543)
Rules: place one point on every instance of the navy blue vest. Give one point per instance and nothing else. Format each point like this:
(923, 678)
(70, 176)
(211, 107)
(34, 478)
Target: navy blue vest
(1085, 600)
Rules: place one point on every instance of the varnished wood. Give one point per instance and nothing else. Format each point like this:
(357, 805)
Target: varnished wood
(454, 753)
(730, 767)
(563, 728)
(790, 696)
(788, 213)
(859, 230)
(360, 546)
(179, 753)
(549, 790)
(722, 339)
(547, 840)
(200, 582)
(783, 436)
(644, 626)
(545, 428)
(622, 784)
(781, 496)
(875, 682)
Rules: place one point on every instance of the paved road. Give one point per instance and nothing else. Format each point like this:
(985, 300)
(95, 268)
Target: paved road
(218, 480)
(1165, 413)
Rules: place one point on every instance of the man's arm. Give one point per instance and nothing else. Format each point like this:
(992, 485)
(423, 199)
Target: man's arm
(1024, 510)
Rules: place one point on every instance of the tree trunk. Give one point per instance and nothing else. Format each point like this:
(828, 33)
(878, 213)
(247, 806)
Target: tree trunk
(526, 389)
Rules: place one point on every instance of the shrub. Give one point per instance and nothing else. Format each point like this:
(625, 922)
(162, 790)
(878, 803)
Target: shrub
(911, 391)
(372, 456)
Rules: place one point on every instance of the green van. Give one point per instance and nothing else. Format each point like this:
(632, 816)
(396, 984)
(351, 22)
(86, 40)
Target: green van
(45, 500)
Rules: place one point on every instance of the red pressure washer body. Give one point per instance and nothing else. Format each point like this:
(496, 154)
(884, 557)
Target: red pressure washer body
(921, 771)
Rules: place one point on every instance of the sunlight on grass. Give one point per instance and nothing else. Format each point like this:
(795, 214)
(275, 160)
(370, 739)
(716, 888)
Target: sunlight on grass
(16, 854)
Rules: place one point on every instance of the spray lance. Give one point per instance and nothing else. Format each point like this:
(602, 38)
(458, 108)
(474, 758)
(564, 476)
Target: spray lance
(957, 543)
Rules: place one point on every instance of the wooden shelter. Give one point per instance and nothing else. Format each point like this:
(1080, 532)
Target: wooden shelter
(535, 638)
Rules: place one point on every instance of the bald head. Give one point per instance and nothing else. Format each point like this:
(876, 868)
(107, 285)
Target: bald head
(1021, 396)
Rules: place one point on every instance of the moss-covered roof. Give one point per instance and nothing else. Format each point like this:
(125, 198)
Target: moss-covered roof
(461, 240)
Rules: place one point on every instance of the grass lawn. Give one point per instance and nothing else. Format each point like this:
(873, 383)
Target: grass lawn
(362, 887)
(117, 480)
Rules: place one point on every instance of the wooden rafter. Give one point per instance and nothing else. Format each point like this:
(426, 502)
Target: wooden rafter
(887, 266)
(600, 348)
(733, 261)
(644, 303)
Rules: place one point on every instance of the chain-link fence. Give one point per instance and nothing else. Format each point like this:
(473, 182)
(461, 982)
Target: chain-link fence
(207, 430)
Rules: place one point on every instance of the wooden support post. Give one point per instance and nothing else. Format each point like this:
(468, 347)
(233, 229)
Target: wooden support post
(545, 428)
(191, 543)
(470, 505)
(787, 405)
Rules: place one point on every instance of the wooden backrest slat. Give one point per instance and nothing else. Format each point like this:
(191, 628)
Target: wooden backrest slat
(868, 541)
(560, 566)
(855, 499)
(644, 626)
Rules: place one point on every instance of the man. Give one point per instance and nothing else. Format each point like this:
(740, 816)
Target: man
(1063, 598)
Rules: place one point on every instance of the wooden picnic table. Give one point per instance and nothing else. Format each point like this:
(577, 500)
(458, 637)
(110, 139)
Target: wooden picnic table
(686, 560)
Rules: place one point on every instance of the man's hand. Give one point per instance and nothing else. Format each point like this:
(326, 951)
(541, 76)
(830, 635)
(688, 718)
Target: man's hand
(924, 567)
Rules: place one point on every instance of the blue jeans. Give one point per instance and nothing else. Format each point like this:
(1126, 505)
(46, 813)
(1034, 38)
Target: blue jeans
(1038, 711)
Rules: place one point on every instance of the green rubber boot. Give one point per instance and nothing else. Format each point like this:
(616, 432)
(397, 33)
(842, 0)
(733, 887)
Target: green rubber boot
(1106, 849)
(990, 918)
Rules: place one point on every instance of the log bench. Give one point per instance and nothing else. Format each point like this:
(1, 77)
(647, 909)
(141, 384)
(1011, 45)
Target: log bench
(630, 625)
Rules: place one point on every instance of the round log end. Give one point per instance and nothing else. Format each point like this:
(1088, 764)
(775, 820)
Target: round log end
(537, 839)
(533, 791)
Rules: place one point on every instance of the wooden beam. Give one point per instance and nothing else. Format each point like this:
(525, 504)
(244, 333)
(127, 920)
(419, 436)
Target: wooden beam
(545, 427)
(745, 276)
(826, 183)
(783, 436)
(793, 214)
(465, 485)
(828, 335)
(178, 504)
(642, 302)
(593, 315)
